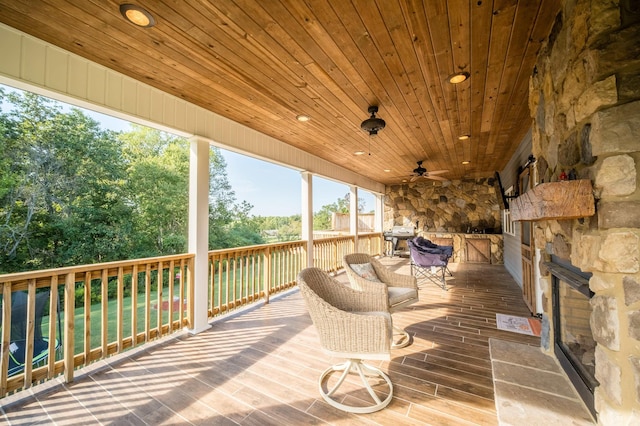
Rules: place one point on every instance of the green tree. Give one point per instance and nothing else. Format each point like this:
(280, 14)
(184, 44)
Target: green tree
(322, 218)
(158, 189)
(229, 222)
(72, 193)
(60, 169)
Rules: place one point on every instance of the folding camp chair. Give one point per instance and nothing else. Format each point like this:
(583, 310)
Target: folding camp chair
(428, 246)
(427, 265)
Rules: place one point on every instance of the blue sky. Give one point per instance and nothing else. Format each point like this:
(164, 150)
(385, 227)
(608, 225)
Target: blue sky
(273, 190)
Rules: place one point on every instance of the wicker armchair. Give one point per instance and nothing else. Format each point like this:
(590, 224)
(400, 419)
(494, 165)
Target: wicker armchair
(353, 325)
(400, 290)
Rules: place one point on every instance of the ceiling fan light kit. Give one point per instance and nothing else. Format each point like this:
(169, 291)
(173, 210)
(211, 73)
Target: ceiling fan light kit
(373, 124)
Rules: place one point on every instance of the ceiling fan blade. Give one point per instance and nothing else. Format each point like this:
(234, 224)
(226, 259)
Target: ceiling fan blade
(437, 172)
(436, 178)
(413, 179)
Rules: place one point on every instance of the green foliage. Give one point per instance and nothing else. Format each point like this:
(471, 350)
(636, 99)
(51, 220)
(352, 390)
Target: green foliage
(279, 228)
(72, 193)
(322, 218)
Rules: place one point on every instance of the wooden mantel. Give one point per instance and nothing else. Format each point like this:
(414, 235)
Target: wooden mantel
(555, 200)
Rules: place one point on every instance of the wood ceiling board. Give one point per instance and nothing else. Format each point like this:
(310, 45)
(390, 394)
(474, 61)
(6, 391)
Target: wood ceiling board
(261, 63)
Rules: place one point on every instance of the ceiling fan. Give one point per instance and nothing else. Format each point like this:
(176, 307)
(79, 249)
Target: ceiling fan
(421, 172)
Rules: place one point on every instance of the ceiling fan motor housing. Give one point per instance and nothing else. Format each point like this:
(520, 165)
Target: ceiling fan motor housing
(373, 124)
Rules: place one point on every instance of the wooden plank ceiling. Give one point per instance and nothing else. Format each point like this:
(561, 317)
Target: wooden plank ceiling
(263, 62)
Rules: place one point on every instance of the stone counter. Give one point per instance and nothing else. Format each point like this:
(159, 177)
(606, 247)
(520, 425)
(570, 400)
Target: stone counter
(470, 248)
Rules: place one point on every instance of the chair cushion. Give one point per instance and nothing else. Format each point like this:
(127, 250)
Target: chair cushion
(400, 294)
(366, 271)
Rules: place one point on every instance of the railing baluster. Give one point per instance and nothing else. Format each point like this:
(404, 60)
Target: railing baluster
(147, 302)
(191, 290)
(171, 293)
(87, 317)
(159, 310)
(134, 305)
(53, 332)
(120, 309)
(69, 325)
(6, 336)
(105, 312)
(31, 315)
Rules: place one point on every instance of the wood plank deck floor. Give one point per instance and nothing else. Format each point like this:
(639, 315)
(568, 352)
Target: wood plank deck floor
(261, 367)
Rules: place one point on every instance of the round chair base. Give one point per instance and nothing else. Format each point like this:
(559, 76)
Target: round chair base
(401, 338)
(366, 373)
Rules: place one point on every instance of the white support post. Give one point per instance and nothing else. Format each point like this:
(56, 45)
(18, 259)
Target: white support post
(379, 214)
(307, 214)
(199, 228)
(353, 215)
(378, 223)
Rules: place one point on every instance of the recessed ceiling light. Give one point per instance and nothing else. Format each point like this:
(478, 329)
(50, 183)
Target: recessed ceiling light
(303, 118)
(459, 77)
(137, 15)
(463, 137)
(466, 162)
(358, 153)
(387, 170)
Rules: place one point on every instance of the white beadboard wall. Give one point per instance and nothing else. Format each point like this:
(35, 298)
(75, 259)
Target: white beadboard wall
(31, 64)
(509, 177)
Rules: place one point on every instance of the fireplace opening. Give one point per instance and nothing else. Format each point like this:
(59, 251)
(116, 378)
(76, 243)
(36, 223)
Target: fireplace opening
(574, 345)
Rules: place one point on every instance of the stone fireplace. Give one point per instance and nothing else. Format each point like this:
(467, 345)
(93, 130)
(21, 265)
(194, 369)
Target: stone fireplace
(585, 105)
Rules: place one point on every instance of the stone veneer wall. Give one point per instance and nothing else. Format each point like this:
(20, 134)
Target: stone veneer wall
(585, 103)
(452, 206)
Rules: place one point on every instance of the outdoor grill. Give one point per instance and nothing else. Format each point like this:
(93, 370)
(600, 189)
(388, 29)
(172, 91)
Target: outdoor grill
(398, 233)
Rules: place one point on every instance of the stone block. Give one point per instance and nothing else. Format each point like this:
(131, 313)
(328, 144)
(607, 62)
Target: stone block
(584, 253)
(609, 376)
(616, 176)
(634, 325)
(635, 364)
(597, 96)
(569, 152)
(604, 321)
(631, 290)
(618, 214)
(599, 283)
(573, 85)
(561, 248)
(585, 146)
(619, 253)
(616, 130)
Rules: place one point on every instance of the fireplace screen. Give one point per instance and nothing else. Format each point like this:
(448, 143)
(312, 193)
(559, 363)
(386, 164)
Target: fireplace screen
(575, 331)
(573, 340)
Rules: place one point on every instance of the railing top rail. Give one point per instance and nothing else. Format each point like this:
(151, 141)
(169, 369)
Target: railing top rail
(258, 247)
(42, 273)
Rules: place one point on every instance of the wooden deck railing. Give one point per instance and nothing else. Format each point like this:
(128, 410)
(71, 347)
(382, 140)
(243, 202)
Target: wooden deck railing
(124, 304)
(120, 305)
